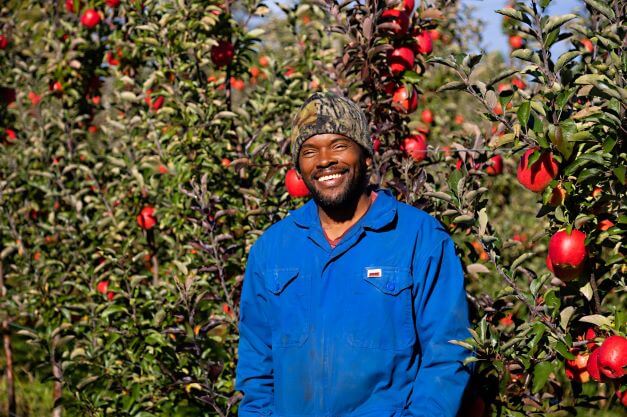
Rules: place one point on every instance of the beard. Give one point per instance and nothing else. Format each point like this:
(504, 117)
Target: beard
(352, 188)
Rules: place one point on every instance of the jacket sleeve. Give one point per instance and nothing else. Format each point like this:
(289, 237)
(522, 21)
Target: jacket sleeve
(254, 374)
(441, 315)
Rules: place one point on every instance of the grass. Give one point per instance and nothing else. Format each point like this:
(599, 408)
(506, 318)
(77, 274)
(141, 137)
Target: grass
(33, 397)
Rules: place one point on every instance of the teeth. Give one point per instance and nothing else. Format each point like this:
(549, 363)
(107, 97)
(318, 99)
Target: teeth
(329, 177)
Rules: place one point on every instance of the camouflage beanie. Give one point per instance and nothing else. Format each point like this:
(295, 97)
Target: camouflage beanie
(329, 113)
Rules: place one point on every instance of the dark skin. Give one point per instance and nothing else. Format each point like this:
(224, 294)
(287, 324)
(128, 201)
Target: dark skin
(335, 168)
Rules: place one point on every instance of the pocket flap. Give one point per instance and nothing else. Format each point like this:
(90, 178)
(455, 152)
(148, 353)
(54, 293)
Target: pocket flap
(277, 279)
(389, 280)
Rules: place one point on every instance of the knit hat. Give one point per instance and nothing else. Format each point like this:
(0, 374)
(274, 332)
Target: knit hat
(329, 113)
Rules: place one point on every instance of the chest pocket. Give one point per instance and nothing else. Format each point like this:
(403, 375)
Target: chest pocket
(380, 310)
(288, 289)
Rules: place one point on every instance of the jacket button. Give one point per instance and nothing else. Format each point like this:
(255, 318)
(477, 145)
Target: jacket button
(390, 286)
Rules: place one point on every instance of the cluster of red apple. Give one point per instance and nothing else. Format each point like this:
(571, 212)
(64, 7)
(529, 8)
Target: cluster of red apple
(567, 250)
(407, 43)
(90, 18)
(605, 363)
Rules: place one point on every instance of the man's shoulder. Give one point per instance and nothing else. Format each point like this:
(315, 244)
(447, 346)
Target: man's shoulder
(409, 213)
(423, 223)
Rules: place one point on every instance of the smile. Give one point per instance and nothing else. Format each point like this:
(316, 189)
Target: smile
(331, 177)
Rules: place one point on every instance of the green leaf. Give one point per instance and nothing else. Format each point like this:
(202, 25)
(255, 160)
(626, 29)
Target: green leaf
(523, 113)
(555, 22)
(538, 107)
(411, 77)
(526, 55)
(620, 173)
(113, 309)
(565, 58)
(590, 79)
(565, 316)
(602, 8)
(541, 374)
(453, 85)
(544, 3)
(505, 139)
(562, 349)
(501, 76)
(522, 258)
(562, 137)
(597, 319)
(514, 14)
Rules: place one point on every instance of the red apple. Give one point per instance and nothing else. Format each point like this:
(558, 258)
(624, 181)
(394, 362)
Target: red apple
(69, 6)
(264, 61)
(112, 60)
(495, 165)
(622, 396)
(576, 369)
(605, 224)
(222, 53)
(400, 59)
(415, 146)
(587, 44)
(102, 287)
(57, 87)
(4, 42)
(146, 218)
(11, 136)
(537, 176)
(435, 34)
(405, 101)
(424, 43)
(427, 116)
(519, 83)
(613, 357)
(459, 119)
(295, 185)
(516, 42)
(593, 365)
(112, 3)
(567, 250)
(590, 336)
(408, 6)
(156, 105)
(376, 144)
(90, 18)
(237, 84)
(503, 86)
(398, 17)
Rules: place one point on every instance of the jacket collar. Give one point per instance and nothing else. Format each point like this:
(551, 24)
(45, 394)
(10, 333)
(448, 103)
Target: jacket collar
(380, 214)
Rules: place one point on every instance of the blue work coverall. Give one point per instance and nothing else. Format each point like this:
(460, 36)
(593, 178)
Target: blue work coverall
(358, 330)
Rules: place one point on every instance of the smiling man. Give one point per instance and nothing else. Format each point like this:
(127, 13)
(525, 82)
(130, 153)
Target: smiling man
(349, 304)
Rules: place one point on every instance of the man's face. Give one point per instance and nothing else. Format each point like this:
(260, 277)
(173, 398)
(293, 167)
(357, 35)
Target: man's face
(334, 168)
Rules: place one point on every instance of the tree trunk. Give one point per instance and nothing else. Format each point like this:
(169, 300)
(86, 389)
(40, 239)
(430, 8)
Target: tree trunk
(58, 375)
(8, 354)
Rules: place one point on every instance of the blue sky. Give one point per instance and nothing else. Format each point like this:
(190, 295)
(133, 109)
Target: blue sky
(495, 39)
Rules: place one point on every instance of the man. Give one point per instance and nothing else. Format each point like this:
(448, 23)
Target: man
(349, 303)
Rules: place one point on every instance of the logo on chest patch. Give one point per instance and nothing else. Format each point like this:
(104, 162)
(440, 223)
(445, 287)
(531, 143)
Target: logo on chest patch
(374, 272)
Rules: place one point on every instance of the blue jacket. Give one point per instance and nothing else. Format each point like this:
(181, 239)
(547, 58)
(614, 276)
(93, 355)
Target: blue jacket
(361, 330)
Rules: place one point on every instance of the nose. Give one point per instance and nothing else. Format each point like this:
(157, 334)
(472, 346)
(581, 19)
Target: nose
(325, 158)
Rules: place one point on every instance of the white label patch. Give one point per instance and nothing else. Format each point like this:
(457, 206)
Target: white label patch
(374, 273)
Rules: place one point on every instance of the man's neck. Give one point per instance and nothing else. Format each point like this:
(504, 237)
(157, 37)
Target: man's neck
(336, 221)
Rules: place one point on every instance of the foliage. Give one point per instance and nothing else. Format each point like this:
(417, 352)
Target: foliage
(134, 113)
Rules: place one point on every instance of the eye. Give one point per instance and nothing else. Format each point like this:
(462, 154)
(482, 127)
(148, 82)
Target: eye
(307, 153)
(340, 146)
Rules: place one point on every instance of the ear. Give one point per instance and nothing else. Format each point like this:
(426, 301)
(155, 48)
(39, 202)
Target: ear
(369, 162)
